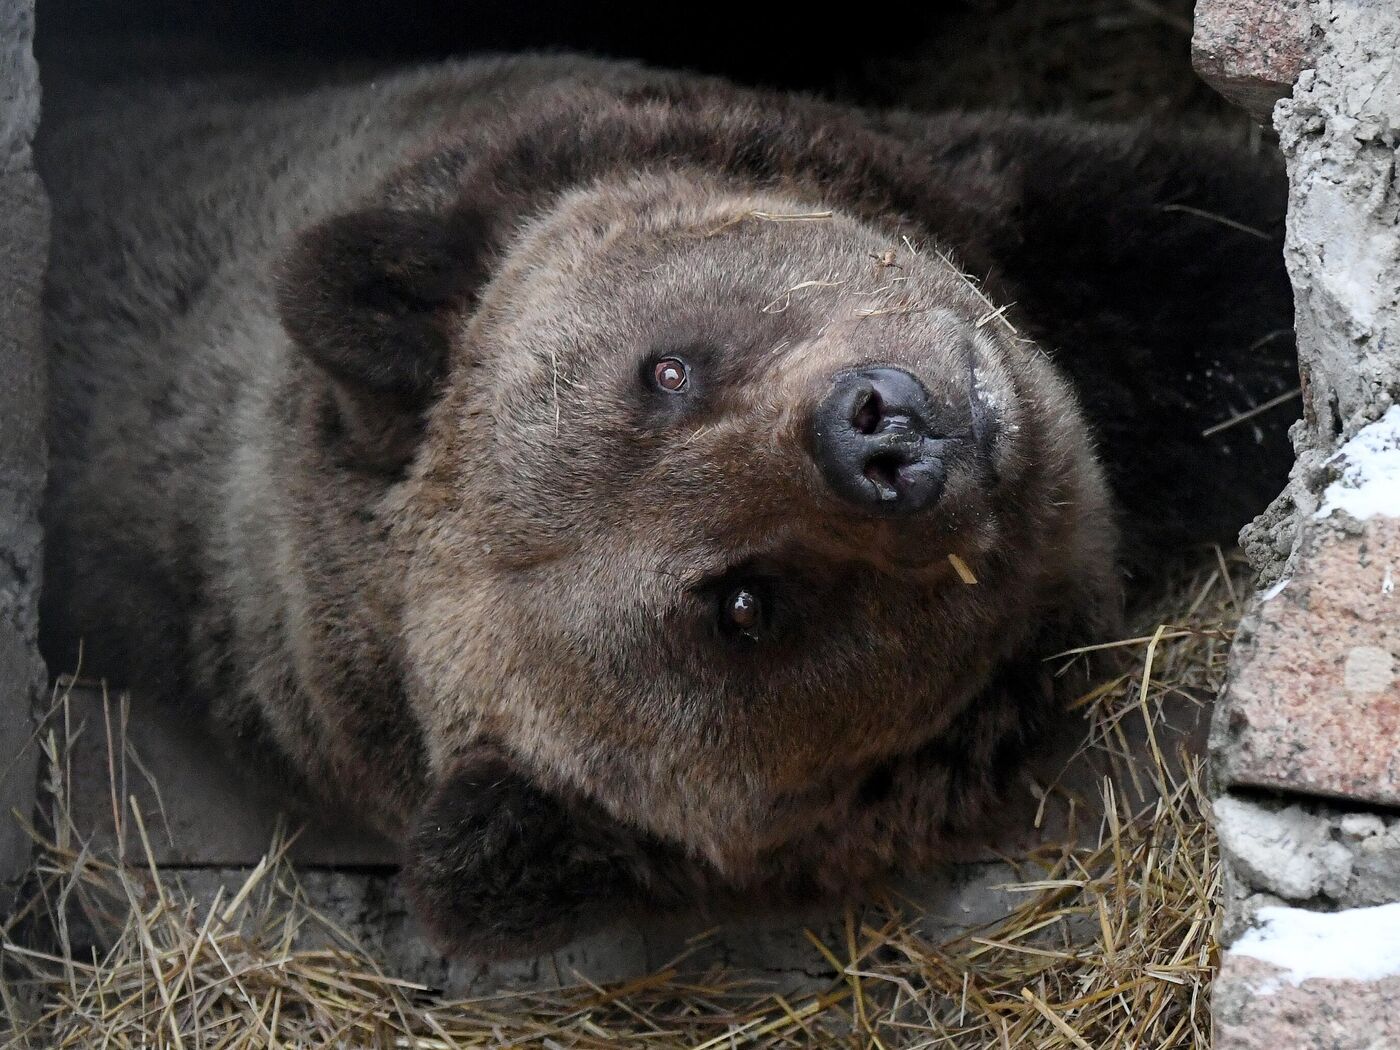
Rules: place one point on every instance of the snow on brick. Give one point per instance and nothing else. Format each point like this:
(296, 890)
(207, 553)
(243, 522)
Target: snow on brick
(1370, 480)
(1359, 944)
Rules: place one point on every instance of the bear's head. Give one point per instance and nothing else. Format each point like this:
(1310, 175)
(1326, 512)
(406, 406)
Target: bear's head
(709, 498)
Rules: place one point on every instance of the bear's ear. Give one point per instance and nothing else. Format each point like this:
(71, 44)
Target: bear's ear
(370, 297)
(499, 867)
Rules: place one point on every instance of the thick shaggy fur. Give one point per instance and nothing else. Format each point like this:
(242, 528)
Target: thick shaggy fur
(355, 460)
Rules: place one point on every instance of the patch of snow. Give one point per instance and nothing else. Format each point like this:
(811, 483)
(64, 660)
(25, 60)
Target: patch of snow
(1359, 944)
(1370, 481)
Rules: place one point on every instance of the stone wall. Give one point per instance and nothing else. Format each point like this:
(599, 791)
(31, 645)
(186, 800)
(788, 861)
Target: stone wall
(1306, 740)
(23, 249)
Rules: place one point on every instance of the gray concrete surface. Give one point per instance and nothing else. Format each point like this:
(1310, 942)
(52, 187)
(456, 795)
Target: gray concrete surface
(19, 84)
(770, 950)
(200, 811)
(1338, 134)
(1304, 852)
(23, 248)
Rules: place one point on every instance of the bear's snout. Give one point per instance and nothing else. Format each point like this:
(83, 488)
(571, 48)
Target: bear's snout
(879, 442)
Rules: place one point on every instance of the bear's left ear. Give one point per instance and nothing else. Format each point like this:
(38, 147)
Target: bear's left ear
(370, 297)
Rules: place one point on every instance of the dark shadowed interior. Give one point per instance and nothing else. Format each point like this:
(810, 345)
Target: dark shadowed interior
(1109, 59)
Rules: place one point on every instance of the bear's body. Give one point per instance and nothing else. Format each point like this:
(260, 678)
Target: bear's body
(366, 451)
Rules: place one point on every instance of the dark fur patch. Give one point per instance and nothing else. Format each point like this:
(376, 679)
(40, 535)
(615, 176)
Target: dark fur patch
(1155, 279)
(554, 142)
(499, 867)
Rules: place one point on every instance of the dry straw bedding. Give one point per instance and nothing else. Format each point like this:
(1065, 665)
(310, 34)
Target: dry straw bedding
(1111, 946)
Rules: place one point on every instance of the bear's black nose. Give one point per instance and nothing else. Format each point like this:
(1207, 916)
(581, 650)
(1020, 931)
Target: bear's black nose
(874, 439)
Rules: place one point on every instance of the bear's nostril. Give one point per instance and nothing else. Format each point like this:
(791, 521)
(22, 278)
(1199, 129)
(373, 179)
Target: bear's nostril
(867, 414)
(883, 473)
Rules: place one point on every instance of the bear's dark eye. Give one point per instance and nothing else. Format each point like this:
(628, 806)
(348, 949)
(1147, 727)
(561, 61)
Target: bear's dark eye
(742, 609)
(671, 374)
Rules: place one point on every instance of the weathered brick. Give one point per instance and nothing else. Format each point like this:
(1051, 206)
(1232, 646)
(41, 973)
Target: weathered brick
(1251, 51)
(1314, 702)
(1311, 981)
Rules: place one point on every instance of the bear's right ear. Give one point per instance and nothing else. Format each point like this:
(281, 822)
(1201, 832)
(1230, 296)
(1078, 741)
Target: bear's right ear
(370, 298)
(500, 867)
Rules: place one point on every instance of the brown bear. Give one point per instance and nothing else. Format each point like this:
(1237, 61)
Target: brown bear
(625, 489)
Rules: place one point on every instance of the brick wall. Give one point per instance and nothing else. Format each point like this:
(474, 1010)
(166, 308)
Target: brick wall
(1306, 740)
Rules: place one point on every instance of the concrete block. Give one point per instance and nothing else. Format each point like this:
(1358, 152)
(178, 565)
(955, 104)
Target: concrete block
(200, 810)
(23, 248)
(19, 84)
(1286, 852)
(1338, 134)
(1308, 852)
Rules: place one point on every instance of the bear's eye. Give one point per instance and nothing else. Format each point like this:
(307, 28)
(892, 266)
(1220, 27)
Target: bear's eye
(671, 374)
(742, 609)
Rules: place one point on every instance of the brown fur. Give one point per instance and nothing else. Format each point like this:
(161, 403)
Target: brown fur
(445, 555)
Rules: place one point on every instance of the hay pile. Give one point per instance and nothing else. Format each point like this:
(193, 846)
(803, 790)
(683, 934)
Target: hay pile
(1112, 945)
